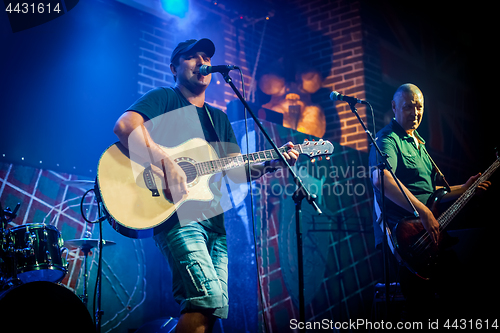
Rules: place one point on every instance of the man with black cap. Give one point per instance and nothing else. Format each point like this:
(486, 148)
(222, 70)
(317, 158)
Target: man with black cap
(197, 251)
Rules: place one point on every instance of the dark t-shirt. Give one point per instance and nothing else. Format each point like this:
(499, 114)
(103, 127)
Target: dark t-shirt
(173, 120)
(411, 165)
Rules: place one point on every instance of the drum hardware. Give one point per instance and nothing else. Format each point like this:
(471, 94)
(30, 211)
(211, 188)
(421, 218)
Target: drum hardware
(7, 281)
(86, 244)
(100, 244)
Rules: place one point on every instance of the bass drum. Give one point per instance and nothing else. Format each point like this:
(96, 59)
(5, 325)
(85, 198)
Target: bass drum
(44, 306)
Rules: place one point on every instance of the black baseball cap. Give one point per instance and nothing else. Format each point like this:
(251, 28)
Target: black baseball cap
(204, 44)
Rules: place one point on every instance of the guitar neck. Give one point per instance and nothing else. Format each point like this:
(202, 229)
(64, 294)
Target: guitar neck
(445, 218)
(228, 163)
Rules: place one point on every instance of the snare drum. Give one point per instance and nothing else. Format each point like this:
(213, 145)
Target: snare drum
(35, 250)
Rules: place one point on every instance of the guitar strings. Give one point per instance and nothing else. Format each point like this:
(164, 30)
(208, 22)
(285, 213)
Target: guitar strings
(424, 240)
(449, 214)
(225, 163)
(213, 166)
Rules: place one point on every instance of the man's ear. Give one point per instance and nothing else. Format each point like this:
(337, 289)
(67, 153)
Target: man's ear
(393, 104)
(174, 72)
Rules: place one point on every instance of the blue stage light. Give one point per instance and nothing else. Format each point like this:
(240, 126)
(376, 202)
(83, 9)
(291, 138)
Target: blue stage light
(176, 7)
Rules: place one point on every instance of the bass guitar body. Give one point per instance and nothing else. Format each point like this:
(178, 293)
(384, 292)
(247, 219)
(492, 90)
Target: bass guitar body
(414, 245)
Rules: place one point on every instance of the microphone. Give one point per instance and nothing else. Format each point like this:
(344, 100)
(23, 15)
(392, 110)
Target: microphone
(335, 96)
(205, 70)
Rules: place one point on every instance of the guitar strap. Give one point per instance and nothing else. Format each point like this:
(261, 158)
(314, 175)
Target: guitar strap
(210, 117)
(214, 130)
(440, 174)
(179, 93)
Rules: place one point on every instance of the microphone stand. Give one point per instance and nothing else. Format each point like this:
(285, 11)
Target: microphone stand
(381, 167)
(298, 196)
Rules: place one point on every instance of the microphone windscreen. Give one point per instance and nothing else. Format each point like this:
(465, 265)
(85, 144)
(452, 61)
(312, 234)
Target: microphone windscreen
(334, 95)
(204, 70)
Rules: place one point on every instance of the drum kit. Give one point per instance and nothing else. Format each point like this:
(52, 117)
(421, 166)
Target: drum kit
(33, 262)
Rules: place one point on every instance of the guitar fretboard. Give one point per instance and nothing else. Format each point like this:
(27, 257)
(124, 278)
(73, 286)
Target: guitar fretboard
(228, 163)
(451, 212)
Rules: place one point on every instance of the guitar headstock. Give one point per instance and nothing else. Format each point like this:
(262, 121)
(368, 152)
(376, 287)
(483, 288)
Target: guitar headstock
(316, 149)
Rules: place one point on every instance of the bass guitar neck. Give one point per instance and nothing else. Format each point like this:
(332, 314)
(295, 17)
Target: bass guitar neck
(412, 242)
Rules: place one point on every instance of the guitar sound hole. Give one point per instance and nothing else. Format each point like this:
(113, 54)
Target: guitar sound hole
(190, 171)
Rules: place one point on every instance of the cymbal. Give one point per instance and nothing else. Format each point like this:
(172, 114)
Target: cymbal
(87, 243)
(85, 184)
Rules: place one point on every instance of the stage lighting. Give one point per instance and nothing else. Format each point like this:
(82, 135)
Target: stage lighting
(176, 7)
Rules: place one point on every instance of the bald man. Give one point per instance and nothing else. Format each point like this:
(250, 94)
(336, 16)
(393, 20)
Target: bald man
(414, 168)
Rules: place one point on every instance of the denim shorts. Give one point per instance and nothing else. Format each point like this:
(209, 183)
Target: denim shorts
(197, 257)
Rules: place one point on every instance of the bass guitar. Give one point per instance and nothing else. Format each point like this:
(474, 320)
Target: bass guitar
(412, 242)
(137, 207)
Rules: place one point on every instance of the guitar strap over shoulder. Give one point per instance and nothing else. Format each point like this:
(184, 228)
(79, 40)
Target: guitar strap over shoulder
(210, 117)
(214, 130)
(440, 174)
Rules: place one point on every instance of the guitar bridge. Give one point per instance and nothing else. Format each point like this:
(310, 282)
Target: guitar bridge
(150, 182)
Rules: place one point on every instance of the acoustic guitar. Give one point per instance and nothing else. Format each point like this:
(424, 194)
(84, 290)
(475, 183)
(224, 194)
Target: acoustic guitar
(138, 206)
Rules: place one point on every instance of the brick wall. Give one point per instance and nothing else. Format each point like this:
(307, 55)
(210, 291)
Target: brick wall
(332, 40)
(156, 44)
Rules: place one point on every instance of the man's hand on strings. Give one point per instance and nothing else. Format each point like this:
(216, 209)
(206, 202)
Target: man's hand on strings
(291, 156)
(481, 188)
(174, 180)
(430, 224)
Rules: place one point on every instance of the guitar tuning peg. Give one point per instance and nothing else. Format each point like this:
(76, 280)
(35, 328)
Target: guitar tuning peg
(327, 158)
(313, 160)
(313, 140)
(320, 158)
(305, 140)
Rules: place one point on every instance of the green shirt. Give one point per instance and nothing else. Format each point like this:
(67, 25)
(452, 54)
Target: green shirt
(411, 165)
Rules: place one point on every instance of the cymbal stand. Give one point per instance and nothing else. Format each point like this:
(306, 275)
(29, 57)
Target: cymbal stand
(97, 292)
(86, 250)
